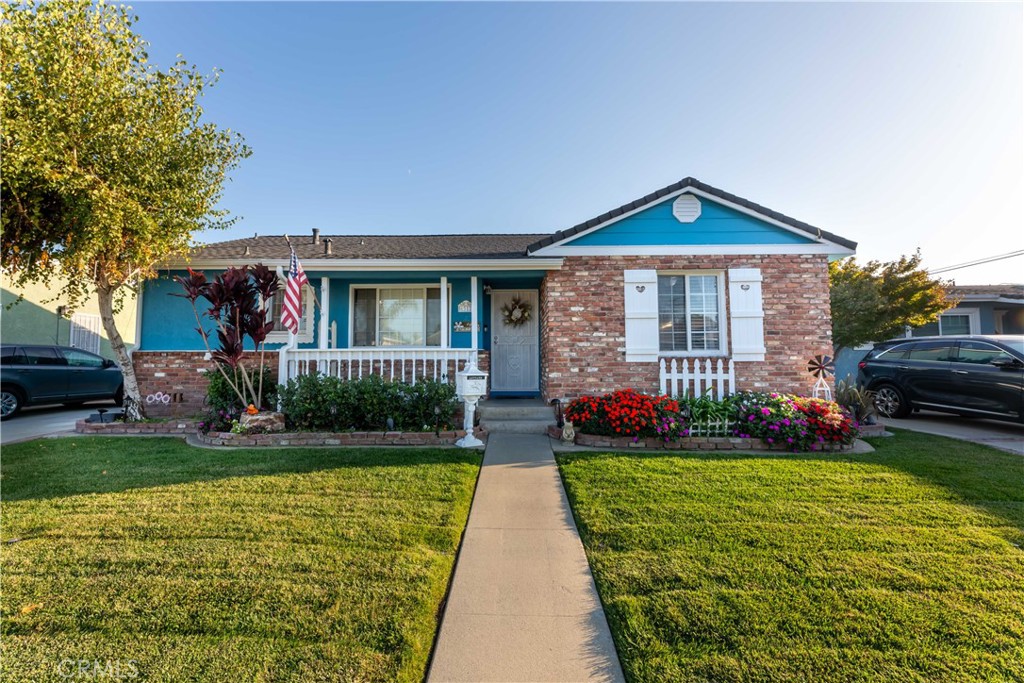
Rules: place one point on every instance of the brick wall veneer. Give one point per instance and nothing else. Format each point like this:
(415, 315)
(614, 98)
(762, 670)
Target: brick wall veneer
(182, 374)
(583, 322)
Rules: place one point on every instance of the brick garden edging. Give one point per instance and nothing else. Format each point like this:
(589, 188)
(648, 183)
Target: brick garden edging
(689, 443)
(169, 427)
(338, 439)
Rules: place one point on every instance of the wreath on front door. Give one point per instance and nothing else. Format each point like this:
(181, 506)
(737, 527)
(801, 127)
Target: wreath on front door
(516, 312)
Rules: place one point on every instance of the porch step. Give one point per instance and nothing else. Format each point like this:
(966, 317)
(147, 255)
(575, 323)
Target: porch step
(517, 426)
(517, 416)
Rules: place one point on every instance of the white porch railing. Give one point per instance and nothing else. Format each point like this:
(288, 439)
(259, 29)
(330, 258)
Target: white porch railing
(677, 380)
(404, 365)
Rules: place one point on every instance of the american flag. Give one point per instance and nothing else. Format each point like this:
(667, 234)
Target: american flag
(291, 309)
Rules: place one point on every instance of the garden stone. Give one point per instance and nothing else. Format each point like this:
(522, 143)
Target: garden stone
(270, 422)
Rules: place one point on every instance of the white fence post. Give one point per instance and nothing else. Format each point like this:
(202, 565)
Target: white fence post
(676, 378)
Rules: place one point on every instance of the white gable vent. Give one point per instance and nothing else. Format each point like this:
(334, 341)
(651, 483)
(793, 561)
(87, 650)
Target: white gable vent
(686, 208)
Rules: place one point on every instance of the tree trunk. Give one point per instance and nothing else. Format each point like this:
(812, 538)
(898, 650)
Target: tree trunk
(133, 405)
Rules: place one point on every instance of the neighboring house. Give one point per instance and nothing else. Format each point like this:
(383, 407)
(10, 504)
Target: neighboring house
(32, 315)
(980, 309)
(687, 272)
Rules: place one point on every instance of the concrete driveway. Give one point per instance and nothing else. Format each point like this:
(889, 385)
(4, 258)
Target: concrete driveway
(32, 423)
(1006, 436)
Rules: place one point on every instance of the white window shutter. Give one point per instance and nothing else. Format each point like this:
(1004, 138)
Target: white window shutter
(641, 302)
(746, 314)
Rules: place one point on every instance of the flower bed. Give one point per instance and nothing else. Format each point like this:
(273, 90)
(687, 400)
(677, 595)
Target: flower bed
(446, 438)
(166, 427)
(746, 420)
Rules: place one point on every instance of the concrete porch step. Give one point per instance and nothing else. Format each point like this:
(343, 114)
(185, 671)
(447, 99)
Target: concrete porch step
(517, 416)
(517, 426)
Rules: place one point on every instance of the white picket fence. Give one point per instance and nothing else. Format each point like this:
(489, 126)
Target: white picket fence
(678, 380)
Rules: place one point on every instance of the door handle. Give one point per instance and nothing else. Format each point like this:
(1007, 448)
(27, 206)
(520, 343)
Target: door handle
(960, 372)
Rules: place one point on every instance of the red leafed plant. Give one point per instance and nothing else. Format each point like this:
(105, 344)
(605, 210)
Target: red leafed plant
(238, 300)
(623, 413)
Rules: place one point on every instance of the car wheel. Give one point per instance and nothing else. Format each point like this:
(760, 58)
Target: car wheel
(10, 402)
(119, 396)
(890, 401)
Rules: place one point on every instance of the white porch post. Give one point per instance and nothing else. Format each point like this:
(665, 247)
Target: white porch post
(325, 300)
(472, 316)
(445, 313)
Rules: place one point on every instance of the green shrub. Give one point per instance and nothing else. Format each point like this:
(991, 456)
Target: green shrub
(322, 403)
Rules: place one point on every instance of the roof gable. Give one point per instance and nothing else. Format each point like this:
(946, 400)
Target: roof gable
(774, 232)
(716, 224)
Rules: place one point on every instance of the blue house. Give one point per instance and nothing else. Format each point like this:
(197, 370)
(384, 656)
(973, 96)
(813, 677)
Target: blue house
(687, 273)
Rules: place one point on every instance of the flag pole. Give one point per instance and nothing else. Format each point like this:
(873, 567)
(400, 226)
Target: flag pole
(311, 289)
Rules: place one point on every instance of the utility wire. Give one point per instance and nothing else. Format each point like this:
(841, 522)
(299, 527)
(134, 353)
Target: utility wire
(987, 259)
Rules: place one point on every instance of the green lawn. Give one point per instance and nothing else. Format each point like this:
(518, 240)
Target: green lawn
(204, 565)
(901, 565)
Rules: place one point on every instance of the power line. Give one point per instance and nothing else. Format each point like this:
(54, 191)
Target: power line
(978, 262)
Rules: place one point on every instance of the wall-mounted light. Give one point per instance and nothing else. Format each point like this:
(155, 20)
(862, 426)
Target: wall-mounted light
(487, 290)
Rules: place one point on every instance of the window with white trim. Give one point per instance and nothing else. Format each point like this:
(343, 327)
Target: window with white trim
(690, 313)
(396, 315)
(280, 333)
(956, 321)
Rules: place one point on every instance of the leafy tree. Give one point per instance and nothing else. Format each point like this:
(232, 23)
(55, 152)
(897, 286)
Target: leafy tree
(107, 165)
(877, 301)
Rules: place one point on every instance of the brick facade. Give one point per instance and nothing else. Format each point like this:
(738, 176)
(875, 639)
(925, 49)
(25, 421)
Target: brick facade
(583, 322)
(179, 374)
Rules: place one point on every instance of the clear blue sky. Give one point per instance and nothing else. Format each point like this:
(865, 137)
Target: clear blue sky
(899, 126)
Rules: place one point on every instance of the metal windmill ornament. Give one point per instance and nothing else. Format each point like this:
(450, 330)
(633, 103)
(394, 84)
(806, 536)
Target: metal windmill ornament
(822, 367)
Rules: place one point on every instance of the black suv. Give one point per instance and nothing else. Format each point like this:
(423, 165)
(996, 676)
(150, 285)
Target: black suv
(976, 376)
(35, 373)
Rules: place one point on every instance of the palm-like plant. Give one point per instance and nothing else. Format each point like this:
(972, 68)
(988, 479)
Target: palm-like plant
(238, 300)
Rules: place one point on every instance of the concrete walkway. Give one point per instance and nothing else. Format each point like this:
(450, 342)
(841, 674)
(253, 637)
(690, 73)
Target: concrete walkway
(523, 606)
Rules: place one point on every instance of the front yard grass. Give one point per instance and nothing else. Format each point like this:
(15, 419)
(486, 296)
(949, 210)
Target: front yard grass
(200, 565)
(900, 565)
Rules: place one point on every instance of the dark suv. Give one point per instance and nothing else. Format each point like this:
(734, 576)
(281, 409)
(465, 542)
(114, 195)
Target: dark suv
(977, 376)
(33, 374)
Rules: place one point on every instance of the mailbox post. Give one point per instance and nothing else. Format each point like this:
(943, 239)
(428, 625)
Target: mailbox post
(471, 386)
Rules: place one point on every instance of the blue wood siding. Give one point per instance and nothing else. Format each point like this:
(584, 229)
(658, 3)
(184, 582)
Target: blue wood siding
(168, 323)
(717, 224)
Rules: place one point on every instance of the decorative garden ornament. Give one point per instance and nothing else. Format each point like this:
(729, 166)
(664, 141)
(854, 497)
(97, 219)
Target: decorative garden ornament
(568, 433)
(822, 367)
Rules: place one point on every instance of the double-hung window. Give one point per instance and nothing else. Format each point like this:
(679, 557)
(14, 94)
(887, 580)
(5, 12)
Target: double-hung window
(956, 321)
(280, 333)
(690, 312)
(396, 315)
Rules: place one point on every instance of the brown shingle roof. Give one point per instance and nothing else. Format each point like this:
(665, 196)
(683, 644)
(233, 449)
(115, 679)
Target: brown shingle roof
(1008, 291)
(374, 247)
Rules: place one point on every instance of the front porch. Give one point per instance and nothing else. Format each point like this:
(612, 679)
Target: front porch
(409, 326)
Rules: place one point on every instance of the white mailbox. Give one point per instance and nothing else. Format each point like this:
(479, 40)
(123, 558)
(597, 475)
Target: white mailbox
(471, 382)
(471, 386)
